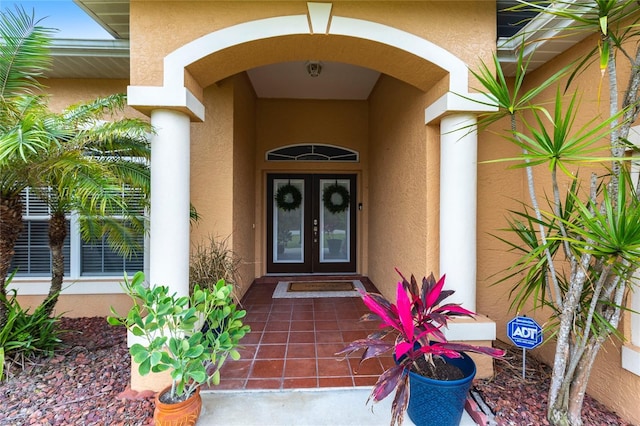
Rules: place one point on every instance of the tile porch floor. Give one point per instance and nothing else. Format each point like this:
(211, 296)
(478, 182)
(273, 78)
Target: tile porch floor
(293, 341)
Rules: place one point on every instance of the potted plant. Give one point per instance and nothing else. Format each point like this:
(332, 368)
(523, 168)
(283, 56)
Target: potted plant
(192, 336)
(412, 328)
(333, 243)
(284, 236)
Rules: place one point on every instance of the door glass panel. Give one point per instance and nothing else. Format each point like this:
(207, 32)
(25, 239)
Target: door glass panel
(288, 229)
(335, 243)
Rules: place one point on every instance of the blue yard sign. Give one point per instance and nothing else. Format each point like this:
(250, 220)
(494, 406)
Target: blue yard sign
(524, 332)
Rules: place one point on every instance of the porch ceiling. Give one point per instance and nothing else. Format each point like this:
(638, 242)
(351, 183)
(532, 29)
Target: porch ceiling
(287, 78)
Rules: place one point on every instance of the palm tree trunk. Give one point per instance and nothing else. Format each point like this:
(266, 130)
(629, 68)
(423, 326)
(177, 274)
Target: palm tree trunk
(57, 235)
(10, 228)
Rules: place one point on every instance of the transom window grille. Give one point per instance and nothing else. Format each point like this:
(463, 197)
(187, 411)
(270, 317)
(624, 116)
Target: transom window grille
(81, 258)
(313, 152)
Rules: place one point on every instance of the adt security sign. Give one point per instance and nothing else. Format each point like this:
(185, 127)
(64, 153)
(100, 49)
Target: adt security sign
(524, 332)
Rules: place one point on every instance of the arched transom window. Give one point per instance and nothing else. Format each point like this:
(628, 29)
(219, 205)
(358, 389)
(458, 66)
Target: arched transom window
(313, 152)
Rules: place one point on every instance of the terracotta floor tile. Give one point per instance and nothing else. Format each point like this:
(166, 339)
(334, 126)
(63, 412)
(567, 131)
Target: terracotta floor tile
(350, 336)
(329, 337)
(275, 337)
(236, 369)
(281, 308)
(335, 382)
(347, 314)
(277, 326)
(252, 338)
(259, 316)
(271, 351)
(325, 313)
(300, 368)
(358, 325)
(327, 325)
(301, 307)
(328, 350)
(256, 326)
(302, 316)
(302, 325)
(247, 352)
(302, 337)
(230, 384)
(387, 361)
(331, 368)
(300, 383)
(271, 368)
(365, 380)
(301, 350)
(280, 316)
(255, 308)
(293, 344)
(370, 367)
(264, 384)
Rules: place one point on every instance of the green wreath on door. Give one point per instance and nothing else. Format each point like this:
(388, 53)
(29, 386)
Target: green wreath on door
(288, 197)
(336, 198)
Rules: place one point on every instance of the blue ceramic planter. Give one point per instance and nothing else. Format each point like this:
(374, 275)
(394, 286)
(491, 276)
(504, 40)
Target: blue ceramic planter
(439, 402)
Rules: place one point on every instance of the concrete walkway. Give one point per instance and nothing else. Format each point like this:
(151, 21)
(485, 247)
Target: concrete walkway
(299, 407)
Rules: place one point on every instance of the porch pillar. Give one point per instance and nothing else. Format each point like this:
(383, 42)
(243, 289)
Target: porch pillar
(458, 205)
(169, 216)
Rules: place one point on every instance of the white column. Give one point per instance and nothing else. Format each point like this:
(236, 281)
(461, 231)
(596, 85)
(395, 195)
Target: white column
(458, 206)
(169, 216)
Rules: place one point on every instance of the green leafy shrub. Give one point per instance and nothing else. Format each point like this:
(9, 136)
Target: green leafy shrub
(191, 336)
(26, 334)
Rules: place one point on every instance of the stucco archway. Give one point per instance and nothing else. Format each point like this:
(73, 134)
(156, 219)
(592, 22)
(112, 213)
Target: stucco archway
(174, 104)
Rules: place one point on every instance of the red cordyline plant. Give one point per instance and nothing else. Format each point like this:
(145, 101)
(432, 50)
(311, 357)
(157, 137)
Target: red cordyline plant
(416, 320)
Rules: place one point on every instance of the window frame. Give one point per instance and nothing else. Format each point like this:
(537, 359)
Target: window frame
(75, 282)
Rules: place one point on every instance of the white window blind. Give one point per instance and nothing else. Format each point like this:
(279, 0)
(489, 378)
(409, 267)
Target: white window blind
(91, 258)
(32, 255)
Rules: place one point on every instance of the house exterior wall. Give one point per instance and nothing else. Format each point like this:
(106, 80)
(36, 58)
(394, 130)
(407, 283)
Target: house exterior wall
(469, 34)
(244, 182)
(400, 175)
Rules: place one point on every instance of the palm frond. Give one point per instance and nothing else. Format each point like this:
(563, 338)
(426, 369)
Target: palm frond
(24, 52)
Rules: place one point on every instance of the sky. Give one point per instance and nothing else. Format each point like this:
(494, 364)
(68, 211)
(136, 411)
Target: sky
(64, 15)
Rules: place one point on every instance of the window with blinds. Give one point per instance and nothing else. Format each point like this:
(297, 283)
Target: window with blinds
(32, 255)
(81, 258)
(97, 258)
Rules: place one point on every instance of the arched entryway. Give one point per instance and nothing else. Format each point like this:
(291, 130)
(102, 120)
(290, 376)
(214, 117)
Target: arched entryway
(198, 64)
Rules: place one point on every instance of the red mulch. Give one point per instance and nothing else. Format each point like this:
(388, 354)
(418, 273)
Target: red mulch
(81, 383)
(518, 401)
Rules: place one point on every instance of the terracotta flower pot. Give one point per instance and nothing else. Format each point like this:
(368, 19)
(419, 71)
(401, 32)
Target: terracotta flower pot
(183, 413)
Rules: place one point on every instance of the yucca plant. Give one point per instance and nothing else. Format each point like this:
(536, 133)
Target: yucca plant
(579, 245)
(412, 329)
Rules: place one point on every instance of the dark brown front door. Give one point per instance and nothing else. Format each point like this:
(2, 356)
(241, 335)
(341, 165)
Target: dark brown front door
(311, 223)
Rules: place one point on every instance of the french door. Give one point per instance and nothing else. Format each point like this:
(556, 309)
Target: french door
(311, 223)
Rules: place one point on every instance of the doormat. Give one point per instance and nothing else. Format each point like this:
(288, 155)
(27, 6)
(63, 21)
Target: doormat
(315, 289)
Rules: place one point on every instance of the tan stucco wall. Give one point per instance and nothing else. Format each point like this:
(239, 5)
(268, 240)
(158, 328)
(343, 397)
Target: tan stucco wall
(401, 173)
(82, 305)
(244, 190)
(65, 92)
(212, 166)
(470, 34)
